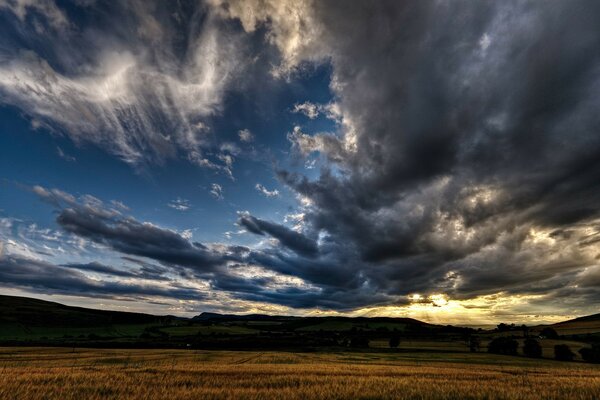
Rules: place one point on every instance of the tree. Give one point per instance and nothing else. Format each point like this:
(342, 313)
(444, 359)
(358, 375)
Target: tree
(549, 333)
(394, 341)
(591, 354)
(562, 352)
(532, 348)
(503, 345)
(359, 341)
(474, 344)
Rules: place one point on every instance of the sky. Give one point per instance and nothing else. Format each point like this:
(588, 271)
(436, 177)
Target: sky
(430, 159)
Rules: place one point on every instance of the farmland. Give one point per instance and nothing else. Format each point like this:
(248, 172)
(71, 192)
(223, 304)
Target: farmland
(53, 351)
(60, 373)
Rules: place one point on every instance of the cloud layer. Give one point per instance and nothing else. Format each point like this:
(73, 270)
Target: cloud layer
(466, 157)
(463, 162)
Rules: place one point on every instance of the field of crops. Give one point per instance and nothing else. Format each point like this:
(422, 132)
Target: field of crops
(37, 373)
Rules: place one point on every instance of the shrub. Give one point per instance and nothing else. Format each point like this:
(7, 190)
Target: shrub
(550, 333)
(532, 348)
(394, 341)
(591, 354)
(503, 345)
(359, 341)
(562, 352)
(474, 344)
(502, 327)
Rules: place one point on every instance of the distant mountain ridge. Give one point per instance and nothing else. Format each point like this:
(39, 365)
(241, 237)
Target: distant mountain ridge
(208, 316)
(205, 316)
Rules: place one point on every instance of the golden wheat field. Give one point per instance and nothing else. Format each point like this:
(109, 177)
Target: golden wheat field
(35, 373)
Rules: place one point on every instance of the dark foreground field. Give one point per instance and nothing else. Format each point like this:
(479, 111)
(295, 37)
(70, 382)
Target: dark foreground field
(60, 373)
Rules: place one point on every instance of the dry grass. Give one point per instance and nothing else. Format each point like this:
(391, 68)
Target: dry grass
(165, 374)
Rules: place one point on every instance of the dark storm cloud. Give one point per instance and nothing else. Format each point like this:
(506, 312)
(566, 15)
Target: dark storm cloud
(221, 266)
(46, 277)
(332, 294)
(468, 132)
(101, 269)
(147, 271)
(135, 238)
(330, 278)
(92, 219)
(332, 300)
(337, 276)
(287, 237)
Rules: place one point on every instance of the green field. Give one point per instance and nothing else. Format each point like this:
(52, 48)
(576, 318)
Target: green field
(348, 325)
(25, 332)
(207, 330)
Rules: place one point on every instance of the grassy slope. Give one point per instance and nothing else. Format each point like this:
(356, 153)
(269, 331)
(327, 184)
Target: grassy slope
(34, 312)
(30, 319)
(24, 318)
(578, 326)
(27, 318)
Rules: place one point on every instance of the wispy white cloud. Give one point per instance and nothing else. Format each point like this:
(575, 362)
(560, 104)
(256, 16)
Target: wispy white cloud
(136, 97)
(216, 191)
(179, 204)
(47, 8)
(187, 234)
(64, 155)
(267, 192)
(307, 108)
(245, 135)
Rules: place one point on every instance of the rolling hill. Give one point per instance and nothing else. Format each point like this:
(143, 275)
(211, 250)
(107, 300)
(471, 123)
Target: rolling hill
(579, 326)
(27, 318)
(34, 312)
(37, 322)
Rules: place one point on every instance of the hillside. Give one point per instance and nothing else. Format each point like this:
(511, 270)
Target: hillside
(579, 326)
(318, 323)
(42, 322)
(34, 312)
(26, 321)
(23, 318)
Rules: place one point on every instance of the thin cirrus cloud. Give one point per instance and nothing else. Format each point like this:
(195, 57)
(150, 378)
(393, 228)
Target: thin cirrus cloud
(141, 97)
(180, 204)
